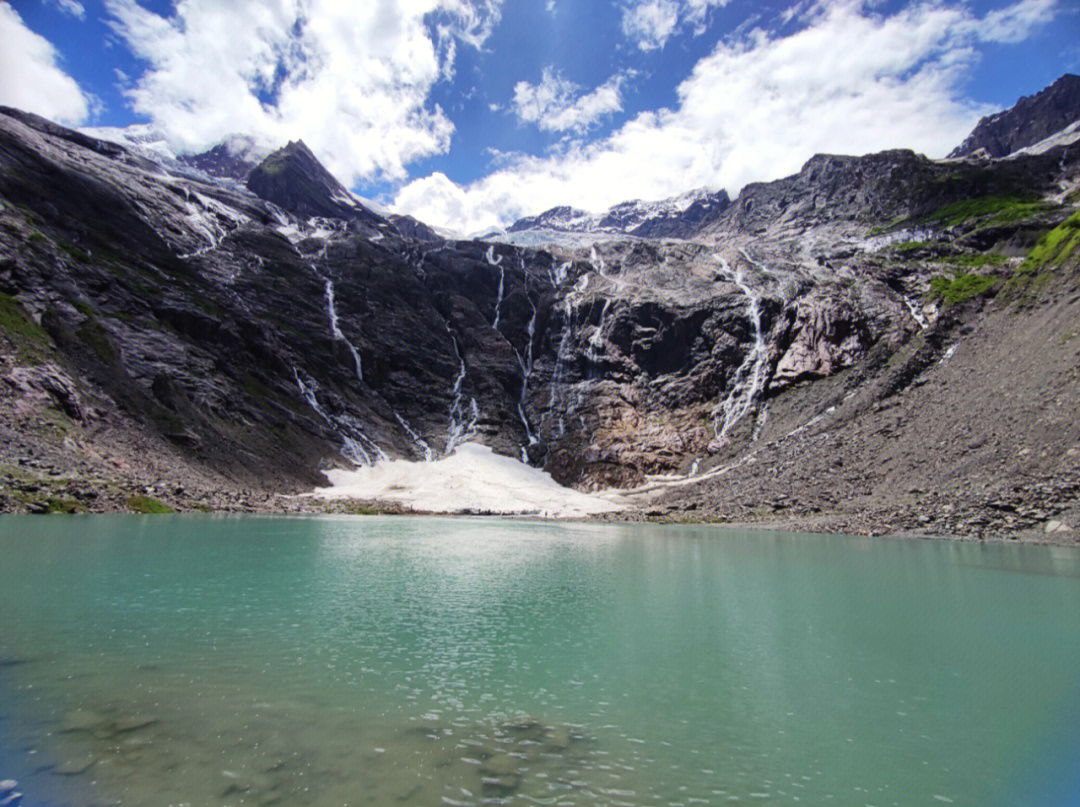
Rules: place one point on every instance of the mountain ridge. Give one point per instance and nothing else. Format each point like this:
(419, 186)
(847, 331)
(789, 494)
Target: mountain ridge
(1031, 119)
(234, 341)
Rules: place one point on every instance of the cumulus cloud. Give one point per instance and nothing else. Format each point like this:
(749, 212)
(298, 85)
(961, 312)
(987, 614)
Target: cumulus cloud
(350, 79)
(557, 105)
(31, 78)
(849, 81)
(650, 23)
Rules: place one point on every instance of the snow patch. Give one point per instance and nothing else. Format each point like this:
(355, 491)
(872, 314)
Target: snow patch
(474, 479)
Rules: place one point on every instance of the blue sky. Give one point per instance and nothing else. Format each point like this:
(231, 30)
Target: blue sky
(469, 113)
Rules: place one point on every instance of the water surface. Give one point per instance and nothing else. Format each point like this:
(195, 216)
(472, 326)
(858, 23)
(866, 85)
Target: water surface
(395, 661)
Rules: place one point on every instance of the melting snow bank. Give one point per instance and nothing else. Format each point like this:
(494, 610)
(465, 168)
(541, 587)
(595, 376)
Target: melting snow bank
(473, 479)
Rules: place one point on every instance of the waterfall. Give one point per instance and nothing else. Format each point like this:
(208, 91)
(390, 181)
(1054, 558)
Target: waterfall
(759, 424)
(459, 431)
(416, 438)
(352, 447)
(596, 338)
(206, 217)
(564, 353)
(750, 377)
(916, 314)
(526, 365)
(355, 448)
(559, 272)
(497, 261)
(335, 330)
(596, 261)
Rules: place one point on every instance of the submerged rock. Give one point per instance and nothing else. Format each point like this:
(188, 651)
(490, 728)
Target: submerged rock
(81, 720)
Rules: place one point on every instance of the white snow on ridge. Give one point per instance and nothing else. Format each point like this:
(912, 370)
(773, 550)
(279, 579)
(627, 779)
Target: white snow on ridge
(140, 138)
(1070, 134)
(473, 479)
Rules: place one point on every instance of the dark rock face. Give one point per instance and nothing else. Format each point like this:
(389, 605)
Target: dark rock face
(294, 180)
(1033, 118)
(887, 188)
(227, 160)
(272, 331)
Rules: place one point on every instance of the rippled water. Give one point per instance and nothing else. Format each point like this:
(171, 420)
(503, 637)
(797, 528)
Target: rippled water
(402, 661)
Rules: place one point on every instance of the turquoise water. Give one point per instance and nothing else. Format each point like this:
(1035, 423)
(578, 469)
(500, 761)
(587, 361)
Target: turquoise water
(396, 661)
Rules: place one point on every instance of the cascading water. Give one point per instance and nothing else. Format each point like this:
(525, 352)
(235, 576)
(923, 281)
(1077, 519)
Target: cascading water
(558, 401)
(526, 365)
(346, 428)
(917, 314)
(205, 215)
(459, 431)
(494, 260)
(335, 329)
(596, 338)
(416, 438)
(750, 377)
(357, 449)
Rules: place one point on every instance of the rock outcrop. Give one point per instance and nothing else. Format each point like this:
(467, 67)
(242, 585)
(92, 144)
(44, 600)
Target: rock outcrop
(294, 180)
(1032, 119)
(678, 217)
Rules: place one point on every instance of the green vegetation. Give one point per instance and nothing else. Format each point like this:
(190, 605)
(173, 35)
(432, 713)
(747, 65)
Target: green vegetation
(95, 337)
(974, 259)
(910, 246)
(63, 504)
(995, 209)
(31, 343)
(85, 308)
(961, 287)
(79, 254)
(148, 505)
(1056, 247)
(361, 510)
(892, 225)
(1053, 249)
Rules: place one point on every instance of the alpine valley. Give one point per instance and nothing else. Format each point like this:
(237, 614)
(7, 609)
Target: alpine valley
(877, 344)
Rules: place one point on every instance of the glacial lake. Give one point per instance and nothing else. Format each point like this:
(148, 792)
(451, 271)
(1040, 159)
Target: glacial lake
(407, 661)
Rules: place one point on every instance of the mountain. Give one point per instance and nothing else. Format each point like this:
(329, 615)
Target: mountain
(1033, 118)
(294, 180)
(876, 343)
(677, 217)
(232, 158)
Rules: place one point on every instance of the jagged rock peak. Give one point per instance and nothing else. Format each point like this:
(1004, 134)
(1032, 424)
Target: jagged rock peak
(1033, 118)
(293, 179)
(677, 217)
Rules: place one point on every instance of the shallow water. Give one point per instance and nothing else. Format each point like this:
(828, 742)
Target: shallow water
(397, 661)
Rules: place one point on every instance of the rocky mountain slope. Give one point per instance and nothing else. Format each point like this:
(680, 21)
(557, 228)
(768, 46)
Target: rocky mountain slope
(678, 217)
(797, 354)
(1032, 119)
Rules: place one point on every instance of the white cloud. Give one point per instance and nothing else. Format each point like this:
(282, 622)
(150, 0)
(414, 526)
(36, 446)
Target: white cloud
(849, 81)
(650, 23)
(72, 7)
(30, 77)
(350, 79)
(556, 104)
(1016, 23)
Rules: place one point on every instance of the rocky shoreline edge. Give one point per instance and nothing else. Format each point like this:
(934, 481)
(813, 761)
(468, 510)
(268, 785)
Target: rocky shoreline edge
(28, 494)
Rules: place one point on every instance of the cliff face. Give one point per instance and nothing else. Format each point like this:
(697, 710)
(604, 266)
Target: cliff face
(158, 322)
(1032, 119)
